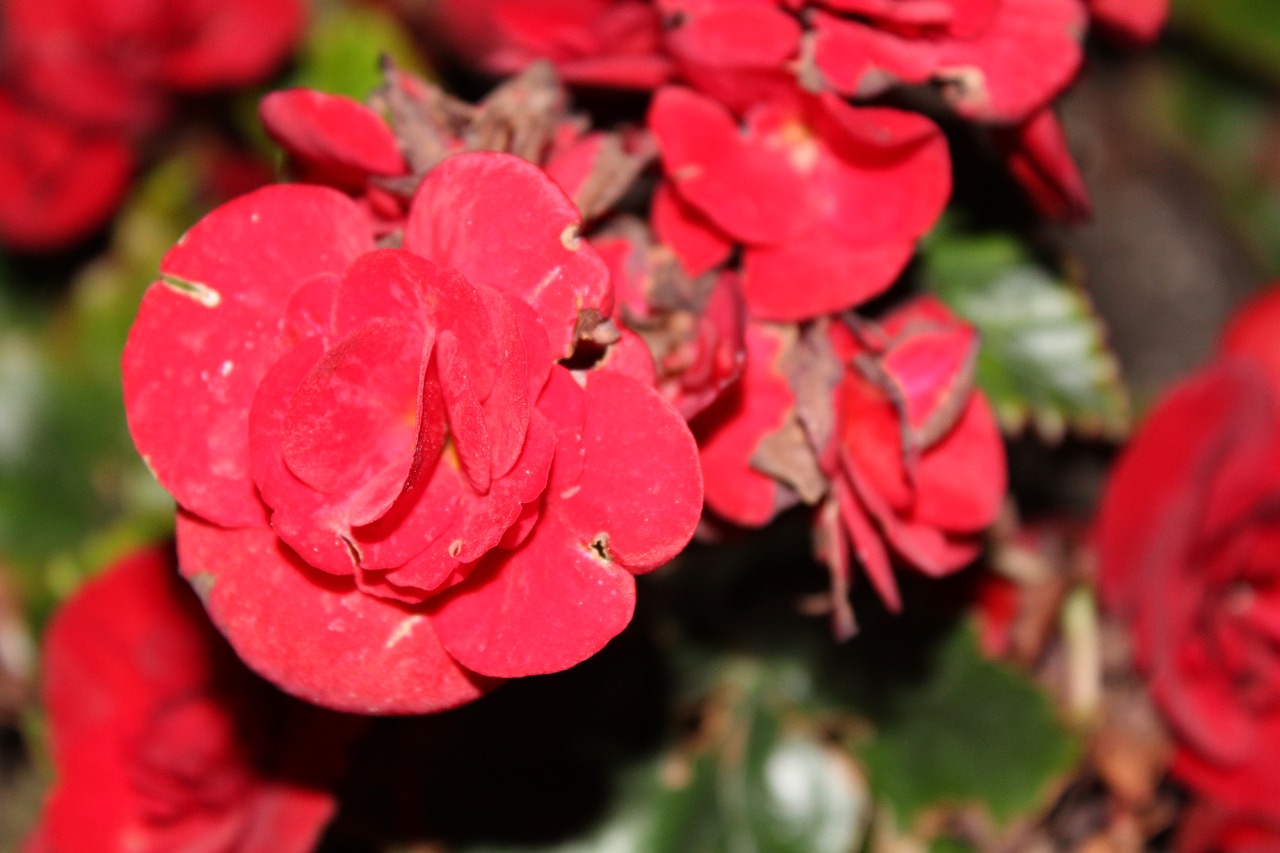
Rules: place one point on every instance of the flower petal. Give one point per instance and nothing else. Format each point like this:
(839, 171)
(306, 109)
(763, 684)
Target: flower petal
(332, 645)
(641, 515)
(542, 608)
(207, 334)
(503, 223)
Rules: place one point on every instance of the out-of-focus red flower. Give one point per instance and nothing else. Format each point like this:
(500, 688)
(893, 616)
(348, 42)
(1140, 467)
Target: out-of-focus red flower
(57, 183)
(918, 461)
(162, 740)
(828, 200)
(1189, 557)
(85, 81)
(1207, 827)
(117, 65)
(996, 60)
(385, 438)
(599, 42)
(1136, 22)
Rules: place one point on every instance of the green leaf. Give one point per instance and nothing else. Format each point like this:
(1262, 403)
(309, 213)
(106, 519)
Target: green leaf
(343, 50)
(972, 732)
(1044, 362)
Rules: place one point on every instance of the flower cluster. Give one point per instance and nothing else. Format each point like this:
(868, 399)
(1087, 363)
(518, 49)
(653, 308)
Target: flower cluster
(163, 741)
(1189, 558)
(997, 62)
(82, 86)
(417, 381)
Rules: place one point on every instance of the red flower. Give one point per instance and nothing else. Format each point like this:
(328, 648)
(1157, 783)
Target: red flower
(918, 461)
(385, 439)
(828, 200)
(115, 65)
(602, 42)
(57, 183)
(1189, 557)
(997, 60)
(163, 741)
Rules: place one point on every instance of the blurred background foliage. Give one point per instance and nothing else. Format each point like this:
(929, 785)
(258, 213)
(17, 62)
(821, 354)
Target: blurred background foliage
(724, 720)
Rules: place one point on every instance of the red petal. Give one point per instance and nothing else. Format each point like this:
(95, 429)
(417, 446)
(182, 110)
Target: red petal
(543, 608)
(1026, 57)
(338, 140)
(730, 430)
(353, 422)
(332, 645)
(630, 356)
(871, 440)
(734, 35)
(961, 480)
(476, 523)
(400, 285)
(819, 272)
(744, 188)
(466, 418)
(932, 371)
(502, 223)
(868, 545)
(642, 515)
(201, 347)
(564, 405)
(858, 60)
(696, 242)
(314, 524)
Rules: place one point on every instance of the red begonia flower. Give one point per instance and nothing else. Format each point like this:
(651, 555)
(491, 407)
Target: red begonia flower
(384, 438)
(57, 184)
(1136, 22)
(1188, 541)
(997, 60)
(1189, 558)
(919, 461)
(827, 199)
(115, 64)
(163, 741)
(596, 42)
